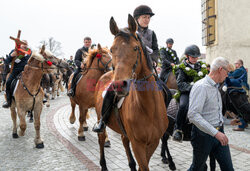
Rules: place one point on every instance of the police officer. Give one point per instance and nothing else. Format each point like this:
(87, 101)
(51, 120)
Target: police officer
(184, 83)
(169, 59)
(20, 61)
(80, 55)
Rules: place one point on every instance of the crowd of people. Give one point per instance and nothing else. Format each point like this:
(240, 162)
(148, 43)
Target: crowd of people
(198, 85)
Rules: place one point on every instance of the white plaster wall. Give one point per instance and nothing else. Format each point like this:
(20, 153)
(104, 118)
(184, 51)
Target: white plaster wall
(233, 32)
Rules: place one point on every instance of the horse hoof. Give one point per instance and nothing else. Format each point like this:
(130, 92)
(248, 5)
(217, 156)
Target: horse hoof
(107, 144)
(52, 98)
(85, 128)
(164, 160)
(40, 145)
(31, 120)
(47, 105)
(172, 166)
(81, 138)
(14, 135)
(104, 169)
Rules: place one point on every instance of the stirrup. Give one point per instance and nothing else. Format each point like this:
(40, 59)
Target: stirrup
(99, 127)
(182, 135)
(70, 93)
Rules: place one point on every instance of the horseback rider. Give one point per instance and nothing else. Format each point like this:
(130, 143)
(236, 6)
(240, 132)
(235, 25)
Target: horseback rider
(169, 59)
(142, 15)
(190, 71)
(20, 61)
(80, 55)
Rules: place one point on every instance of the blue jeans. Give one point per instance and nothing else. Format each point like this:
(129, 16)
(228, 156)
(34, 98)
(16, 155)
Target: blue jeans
(243, 123)
(203, 144)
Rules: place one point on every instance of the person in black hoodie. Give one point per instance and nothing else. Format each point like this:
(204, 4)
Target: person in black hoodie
(21, 60)
(80, 55)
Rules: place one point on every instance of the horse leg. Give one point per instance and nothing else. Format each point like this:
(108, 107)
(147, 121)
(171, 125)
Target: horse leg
(37, 112)
(72, 117)
(140, 155)
(14, 116)
(151, 149)
(46, 95)
(82, 118)
(163, 148)
(170, 159)
(101, 140)
(131, 161)
(85, 126)
(107, 142)
(21, 114)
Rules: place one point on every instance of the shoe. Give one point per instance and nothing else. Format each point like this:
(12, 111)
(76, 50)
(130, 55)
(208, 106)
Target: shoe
(178, 135)
(238, 129)
(6, 105)
(99, 127)
(70, 93)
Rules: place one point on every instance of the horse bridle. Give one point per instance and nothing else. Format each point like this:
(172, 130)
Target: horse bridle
(106, 68)
(139, 56)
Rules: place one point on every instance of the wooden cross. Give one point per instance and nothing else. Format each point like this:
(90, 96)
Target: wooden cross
(18, 44)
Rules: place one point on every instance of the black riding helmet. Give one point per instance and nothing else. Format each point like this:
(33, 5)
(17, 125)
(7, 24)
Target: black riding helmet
(170, 41)
(193, 51)
(143, 10)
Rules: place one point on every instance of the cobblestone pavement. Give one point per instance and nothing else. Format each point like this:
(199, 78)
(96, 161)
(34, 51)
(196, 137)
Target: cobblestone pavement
(63, 151)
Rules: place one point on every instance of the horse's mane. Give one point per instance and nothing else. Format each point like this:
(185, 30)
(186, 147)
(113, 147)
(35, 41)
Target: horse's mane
(126, 34)
(92, 54)
(37, 56)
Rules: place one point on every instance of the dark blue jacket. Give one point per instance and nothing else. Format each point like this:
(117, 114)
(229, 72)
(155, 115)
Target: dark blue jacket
(79, 56)
(18, 67)
(240, 74)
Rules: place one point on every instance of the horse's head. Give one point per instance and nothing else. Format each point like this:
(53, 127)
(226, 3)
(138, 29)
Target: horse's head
(128, 56)
(101, 57)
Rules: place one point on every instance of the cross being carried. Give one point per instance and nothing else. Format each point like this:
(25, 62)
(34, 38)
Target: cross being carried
(18, 49)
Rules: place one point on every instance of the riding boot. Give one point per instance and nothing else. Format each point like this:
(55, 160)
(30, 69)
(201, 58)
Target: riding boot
(71, 92)
(107, 107)
(7, 103)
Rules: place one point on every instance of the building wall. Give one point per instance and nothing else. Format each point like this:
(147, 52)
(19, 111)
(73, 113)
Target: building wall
(232, 32)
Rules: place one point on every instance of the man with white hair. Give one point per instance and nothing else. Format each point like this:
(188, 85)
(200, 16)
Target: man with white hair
(205, 112)
(22, 55)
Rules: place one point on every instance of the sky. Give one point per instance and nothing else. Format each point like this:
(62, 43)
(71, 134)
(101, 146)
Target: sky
(69, 21)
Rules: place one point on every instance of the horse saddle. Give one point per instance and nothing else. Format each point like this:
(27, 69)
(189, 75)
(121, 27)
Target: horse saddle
(14, 84)
(78, 77)
(166, 92)
(108, 102)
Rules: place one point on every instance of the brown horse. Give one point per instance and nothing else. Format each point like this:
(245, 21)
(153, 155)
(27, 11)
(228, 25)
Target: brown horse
(171, 83)
(143, 112)
(29, 95)
(98, 62)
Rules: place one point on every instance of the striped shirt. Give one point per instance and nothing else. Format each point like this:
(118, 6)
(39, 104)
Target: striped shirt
(205, 106)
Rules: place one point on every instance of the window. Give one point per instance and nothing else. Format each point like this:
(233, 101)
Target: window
(208, 22)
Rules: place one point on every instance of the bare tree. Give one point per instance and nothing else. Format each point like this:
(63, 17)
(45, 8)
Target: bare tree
(53, 46)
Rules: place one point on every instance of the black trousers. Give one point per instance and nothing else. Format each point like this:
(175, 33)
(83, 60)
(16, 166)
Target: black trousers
(203, 145)
(182, 112)
(12, 76)
(73, 82)
(240, 102)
